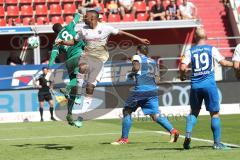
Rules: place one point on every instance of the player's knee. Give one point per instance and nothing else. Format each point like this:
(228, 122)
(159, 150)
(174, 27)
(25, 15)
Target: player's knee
(195, 112)
(73, 90)
(83, 68)
(214, 114)
(90, 88)
(154, 117)
(51, 104)
(127, 111)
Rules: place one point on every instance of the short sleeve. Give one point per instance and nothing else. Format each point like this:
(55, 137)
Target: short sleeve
(216, 54)
(181, 8)
(111, 29)
(236, 55)
(136, 58)
(186, 57)
(191, 4)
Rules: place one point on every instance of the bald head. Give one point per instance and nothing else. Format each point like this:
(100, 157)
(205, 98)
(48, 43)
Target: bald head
(91, 18)
(93, 13)
(200, 34)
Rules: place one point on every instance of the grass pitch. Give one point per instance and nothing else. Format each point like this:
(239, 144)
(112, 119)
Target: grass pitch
(59, 141)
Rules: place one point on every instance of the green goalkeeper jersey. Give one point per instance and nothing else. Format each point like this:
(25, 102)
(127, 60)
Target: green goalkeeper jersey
(67, 33)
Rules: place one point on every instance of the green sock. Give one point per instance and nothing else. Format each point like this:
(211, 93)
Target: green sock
(71, 84)
(70, 104)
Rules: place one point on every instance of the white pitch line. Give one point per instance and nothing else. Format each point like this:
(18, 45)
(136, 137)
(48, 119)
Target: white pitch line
(70, 136)
(200, 139)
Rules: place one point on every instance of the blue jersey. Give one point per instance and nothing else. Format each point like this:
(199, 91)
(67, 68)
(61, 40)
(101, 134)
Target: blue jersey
(145, 77)
(201, 59)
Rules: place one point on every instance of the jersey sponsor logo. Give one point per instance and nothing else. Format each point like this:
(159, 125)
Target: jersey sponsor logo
(201, 73)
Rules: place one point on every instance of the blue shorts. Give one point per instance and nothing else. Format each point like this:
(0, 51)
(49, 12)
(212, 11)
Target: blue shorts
(149, 105)
(210, 97)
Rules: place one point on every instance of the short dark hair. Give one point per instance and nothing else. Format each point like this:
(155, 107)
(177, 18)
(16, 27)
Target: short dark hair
(142, 48)
(44, 68)
(94, 12)
(57, 27)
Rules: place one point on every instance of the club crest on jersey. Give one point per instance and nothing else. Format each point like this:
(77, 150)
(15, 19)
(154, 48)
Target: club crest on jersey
(99, 32)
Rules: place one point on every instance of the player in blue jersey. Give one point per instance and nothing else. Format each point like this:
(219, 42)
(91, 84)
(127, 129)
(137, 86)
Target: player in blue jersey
(203, 86)
(144, 95)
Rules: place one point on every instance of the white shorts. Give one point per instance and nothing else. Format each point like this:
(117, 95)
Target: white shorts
(94, 70)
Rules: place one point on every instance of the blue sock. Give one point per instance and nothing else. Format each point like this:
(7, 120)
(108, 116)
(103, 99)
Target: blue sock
(163, 121)
(126, 125)
(191, 121)
(216, 129)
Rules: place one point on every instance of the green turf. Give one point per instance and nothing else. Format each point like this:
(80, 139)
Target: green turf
(59, 141)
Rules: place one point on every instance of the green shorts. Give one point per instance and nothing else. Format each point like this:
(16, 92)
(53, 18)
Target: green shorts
(72, 65)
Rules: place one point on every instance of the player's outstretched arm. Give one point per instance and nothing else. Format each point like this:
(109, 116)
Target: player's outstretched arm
(221, 59)
(53, 56)
(236, 65)
(226, 63)
(142, 40)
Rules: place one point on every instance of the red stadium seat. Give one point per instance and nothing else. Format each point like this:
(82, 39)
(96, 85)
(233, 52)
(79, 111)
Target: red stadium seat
(1, 2)
(151, 3)
(12, 11)
(238, 9)
(114, 18)
(2, 12)
(14, 2)
(179, 2)
(26, 21)
(17, 21)
(128, 18)
(41, 10)
(166, 3)
(25, 1)
(55, 9)
(68, 19)
(104, 18)
(53, 1)
(69, 8)
(57, 19)
(26, 10)
(102, 7)
(42, 20)
(142, 17)
(2, 22)
(140, 6)
(67, 1)
(39, 1)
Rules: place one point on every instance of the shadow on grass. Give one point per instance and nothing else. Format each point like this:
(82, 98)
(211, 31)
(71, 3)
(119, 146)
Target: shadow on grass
(181, 149)
(133, 143)
(162, 149)
(46, 146)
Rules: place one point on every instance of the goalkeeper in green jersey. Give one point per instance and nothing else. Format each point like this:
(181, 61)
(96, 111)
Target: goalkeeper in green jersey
(73, 53)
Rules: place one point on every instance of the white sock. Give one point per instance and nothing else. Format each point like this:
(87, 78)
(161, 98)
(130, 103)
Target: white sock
(87, 101)
(80, 79)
